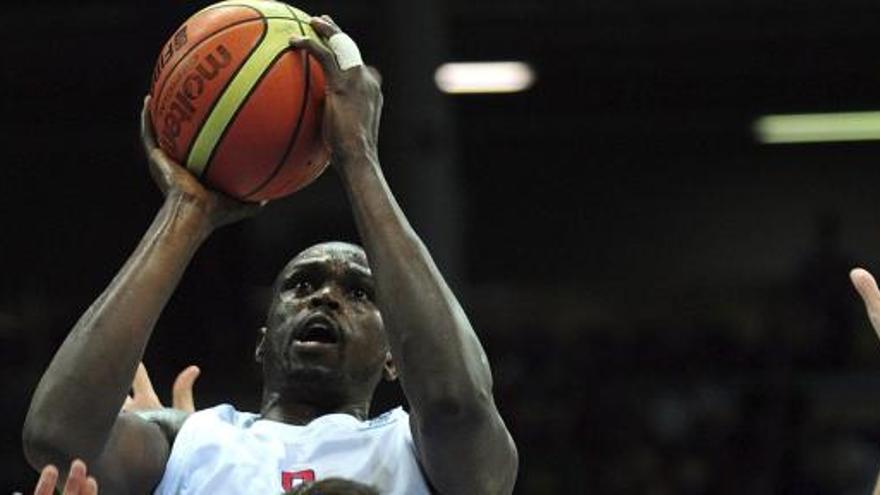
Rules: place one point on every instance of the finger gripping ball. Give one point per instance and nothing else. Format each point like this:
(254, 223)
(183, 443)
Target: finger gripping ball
(234, 103)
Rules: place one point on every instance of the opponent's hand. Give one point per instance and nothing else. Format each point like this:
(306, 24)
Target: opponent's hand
(866, 286)
(78, 481)
(182, 390)
(176, 182)
(353, 106)
(144, 398)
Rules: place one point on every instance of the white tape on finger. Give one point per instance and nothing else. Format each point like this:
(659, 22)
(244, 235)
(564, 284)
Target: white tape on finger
(347, 53)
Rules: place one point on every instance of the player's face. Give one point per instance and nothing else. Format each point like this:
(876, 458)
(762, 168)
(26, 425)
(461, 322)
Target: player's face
(323, 322)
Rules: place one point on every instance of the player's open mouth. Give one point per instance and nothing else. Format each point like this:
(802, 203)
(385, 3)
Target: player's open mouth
(317, 331)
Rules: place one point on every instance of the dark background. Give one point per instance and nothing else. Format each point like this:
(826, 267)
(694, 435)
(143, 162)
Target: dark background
(664, 301)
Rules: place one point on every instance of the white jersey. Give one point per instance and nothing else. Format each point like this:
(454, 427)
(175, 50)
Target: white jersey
(224, 451)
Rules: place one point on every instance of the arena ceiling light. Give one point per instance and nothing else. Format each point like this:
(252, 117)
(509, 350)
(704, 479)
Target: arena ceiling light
(818, 127)
(484, 77)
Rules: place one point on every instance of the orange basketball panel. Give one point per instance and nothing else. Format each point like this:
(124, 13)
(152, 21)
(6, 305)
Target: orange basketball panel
(192, 88)
(194, 31)
(309, 155)
(257, 141)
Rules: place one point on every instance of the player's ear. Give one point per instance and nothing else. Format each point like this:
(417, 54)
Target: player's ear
(261, 341)
(389, 373)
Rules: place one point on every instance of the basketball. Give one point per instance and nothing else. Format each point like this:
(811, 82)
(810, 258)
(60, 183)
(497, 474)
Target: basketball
(235, 104)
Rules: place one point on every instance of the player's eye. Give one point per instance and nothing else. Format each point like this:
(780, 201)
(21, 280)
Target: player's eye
(303, 287)
(359, 294)
(300, 287)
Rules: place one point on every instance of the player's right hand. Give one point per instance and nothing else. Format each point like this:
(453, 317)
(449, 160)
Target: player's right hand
(353, 105)
(177, 183)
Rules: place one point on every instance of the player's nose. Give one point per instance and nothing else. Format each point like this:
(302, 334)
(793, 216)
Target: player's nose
(324, 297)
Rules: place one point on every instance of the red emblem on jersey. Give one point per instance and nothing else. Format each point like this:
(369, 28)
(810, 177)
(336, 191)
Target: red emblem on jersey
(291, 479)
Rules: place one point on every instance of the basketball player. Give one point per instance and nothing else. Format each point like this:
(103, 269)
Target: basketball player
(337, 316)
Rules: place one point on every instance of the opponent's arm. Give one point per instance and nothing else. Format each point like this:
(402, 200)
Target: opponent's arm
(866, 286)
(74, 411)
(463, 442)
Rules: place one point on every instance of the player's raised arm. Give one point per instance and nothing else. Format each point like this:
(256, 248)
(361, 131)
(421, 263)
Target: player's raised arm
(463, 443)
(74, 412)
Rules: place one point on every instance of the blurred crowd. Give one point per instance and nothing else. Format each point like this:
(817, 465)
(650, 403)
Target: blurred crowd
(713, 390)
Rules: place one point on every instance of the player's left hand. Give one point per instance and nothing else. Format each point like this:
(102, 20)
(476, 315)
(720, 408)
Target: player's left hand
(78, 481)
(176, 182)
(144, 398)
(353, 106)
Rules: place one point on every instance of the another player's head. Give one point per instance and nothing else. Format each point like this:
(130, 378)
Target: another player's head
(324, 340)
(333, 486)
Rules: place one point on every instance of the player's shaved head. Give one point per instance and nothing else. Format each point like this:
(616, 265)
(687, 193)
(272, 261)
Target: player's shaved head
(325, 251)
(346, 249)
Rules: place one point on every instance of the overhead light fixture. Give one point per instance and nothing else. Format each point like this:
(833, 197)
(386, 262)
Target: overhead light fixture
(818, 127)
(484, 77)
